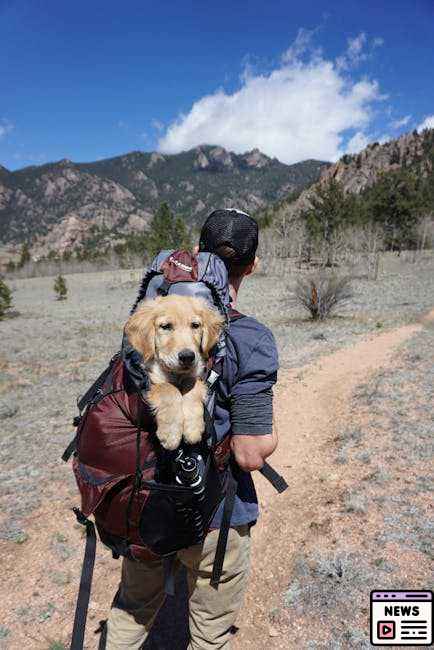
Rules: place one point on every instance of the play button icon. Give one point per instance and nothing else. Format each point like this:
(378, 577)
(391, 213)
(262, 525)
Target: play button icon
(386, 629)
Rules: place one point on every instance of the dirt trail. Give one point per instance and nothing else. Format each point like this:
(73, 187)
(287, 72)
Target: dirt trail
(311, 404)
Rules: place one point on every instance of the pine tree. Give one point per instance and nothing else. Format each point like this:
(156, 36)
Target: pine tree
(25, 255)
(395, 202)
(60, 288)
(5, 298)
(330, 210)
(167, 231)
(180, 236)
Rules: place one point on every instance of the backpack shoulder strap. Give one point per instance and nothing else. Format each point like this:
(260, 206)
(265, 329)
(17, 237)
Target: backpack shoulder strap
(97, 385)
(144, 287)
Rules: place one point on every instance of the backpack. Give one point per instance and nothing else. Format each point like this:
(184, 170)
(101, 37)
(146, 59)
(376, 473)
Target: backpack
(147, 502)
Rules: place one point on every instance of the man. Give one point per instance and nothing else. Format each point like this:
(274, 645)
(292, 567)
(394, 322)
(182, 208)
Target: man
(243, 411)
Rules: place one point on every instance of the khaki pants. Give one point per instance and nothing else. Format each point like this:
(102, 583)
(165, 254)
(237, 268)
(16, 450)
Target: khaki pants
(212, 611)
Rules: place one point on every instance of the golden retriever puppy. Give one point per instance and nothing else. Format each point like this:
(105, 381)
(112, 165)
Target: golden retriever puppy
(175, 335)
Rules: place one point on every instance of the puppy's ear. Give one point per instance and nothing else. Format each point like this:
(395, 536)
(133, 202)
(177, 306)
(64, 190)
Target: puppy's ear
(140, 330)
(212, 327)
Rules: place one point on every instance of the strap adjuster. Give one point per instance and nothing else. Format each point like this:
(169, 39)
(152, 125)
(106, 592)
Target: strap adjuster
(84, 521)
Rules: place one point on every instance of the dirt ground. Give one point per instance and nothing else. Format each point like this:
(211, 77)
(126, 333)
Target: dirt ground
(356, 445)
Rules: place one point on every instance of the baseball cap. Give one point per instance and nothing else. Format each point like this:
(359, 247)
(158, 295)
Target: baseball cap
(232, 228)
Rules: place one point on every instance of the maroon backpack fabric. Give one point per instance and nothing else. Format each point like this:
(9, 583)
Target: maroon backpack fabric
(115, 465)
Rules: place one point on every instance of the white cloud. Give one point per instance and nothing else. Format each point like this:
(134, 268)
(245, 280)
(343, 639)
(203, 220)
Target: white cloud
(305, 108)
(428, 123)
(355, 48)
(122, 125)
(302, 45)
(397, 124)
(359, 49)
(5, 127)
(358, 142)
(157, 125)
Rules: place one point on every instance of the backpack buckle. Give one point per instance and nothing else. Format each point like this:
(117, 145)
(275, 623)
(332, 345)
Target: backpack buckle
(76, 421)
(212, 378)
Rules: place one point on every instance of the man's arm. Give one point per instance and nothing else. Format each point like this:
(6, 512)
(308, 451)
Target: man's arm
(254, 433)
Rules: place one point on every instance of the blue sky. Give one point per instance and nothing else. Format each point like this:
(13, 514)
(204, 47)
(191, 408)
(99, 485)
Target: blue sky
(88, 80)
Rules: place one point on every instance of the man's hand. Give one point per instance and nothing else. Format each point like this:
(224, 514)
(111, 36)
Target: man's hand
(250, 451)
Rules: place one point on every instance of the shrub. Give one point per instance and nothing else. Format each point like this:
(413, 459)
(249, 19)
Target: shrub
(320, 293)
(57, 645)
(5, 298)
(60, 287)
(25, 255)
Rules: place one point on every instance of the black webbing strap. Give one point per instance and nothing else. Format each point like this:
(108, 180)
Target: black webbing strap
(102, 631)
(85, 583)
(69, 450)
(169, 574)
(96, 386)
(224, 531)
(276, 480)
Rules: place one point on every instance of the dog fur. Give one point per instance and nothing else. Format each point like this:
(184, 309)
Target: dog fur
(160, 330)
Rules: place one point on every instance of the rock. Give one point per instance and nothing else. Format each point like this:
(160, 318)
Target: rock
(8, 411)
(156, 158)
(273, 632)
(256, 159)
(201, 161)
(221, 157)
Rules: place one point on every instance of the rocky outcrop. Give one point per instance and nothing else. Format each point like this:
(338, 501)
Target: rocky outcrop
(155, 158)
(359, 171)
(201, 161)
(256, 159)
(68, 234)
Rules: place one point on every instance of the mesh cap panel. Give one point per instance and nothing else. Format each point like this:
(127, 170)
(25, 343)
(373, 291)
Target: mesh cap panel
(230, 228)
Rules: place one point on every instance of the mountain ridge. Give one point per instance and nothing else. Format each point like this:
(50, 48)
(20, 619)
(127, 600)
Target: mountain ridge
(56, 204)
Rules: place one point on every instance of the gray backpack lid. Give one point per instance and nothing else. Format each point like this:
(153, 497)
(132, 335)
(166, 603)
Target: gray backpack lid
(202, 275)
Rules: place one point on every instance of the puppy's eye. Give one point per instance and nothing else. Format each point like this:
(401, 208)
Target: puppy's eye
(166, 326)
(195, 326)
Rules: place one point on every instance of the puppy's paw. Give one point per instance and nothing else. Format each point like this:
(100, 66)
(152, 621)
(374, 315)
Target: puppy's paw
(193, 430)
(169, 438)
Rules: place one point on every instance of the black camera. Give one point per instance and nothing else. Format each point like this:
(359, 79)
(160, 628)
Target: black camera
(189, 469)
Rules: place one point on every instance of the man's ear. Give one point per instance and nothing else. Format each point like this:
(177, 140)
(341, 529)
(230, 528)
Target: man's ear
(140, 330)
(252, 267)
(213, 323)
(196, 249)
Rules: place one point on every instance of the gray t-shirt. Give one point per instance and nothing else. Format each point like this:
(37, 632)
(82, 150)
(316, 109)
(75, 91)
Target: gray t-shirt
(244, 402)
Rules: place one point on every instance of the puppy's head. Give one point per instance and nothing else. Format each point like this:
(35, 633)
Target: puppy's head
(176, 331)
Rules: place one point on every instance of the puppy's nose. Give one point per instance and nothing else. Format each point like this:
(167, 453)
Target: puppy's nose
(186, 357)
